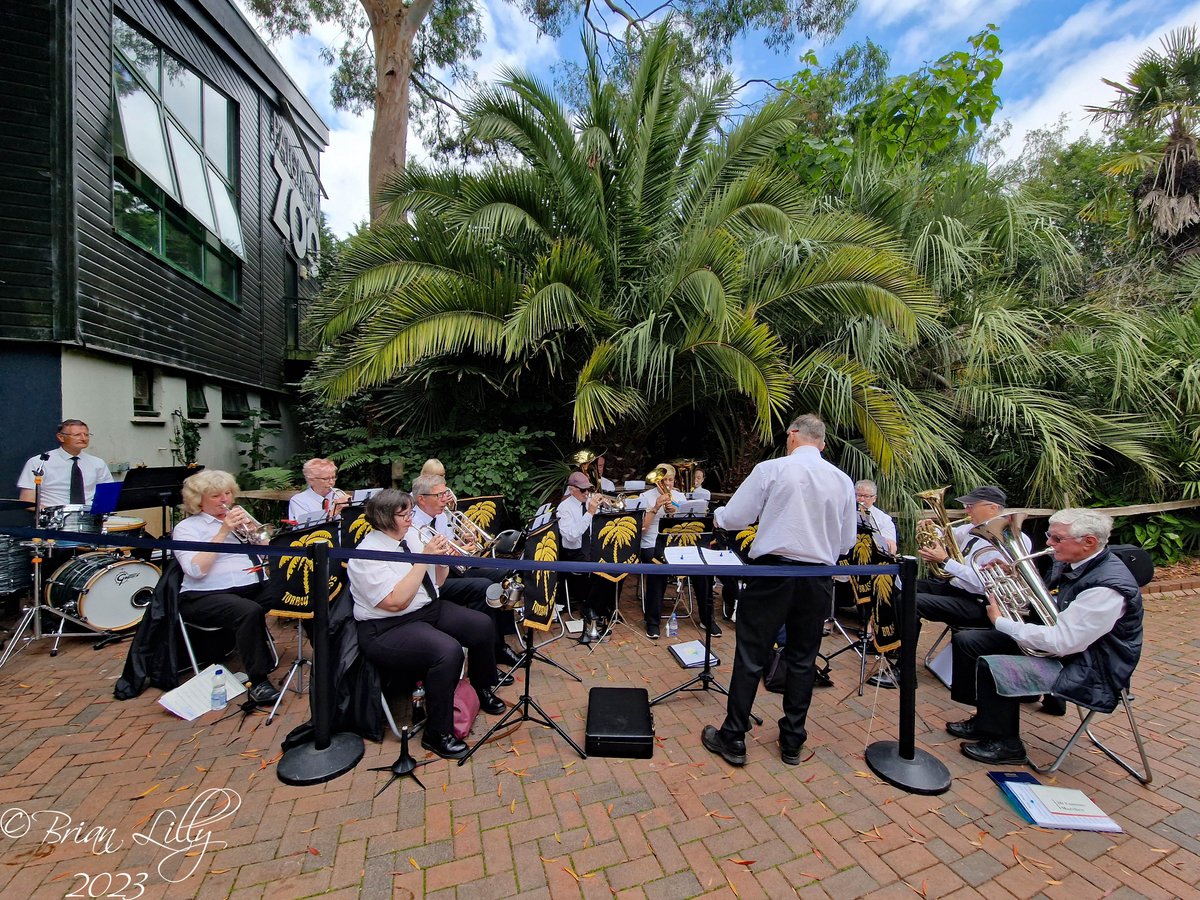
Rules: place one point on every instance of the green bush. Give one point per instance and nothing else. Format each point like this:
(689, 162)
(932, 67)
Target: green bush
(1167, 536)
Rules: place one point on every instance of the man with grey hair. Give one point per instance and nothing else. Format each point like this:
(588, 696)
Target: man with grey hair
(321, 500)
(1090, 651)
(866, 492)
(805, 511)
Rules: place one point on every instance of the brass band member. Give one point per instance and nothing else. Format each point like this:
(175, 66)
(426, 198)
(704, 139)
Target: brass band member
(866, 492)
(225, 590)
(574, 514)
(68, 474)
(321, 500)
(657, 501)
(1095, 643)
(806, 516)
(404, 623)
(432, 497)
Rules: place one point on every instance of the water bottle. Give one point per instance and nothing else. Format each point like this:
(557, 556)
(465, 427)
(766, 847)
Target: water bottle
(673, 625)
(218, 689)
(418, 704)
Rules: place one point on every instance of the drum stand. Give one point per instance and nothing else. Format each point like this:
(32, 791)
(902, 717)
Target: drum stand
(520, 709)
(33, 617)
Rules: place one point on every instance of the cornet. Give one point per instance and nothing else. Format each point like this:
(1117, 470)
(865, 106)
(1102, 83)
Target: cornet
(427, 533)
(251, 531)
(609, 504)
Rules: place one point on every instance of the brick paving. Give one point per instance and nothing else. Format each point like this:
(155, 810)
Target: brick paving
(85, 778)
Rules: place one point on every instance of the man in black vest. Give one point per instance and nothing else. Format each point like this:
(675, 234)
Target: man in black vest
(1090, 652)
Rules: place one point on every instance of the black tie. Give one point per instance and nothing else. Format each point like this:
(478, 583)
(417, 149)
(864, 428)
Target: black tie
(76, 481)
(426, 580)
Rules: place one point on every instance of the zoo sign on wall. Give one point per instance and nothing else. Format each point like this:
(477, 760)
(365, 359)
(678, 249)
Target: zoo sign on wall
(297, 200)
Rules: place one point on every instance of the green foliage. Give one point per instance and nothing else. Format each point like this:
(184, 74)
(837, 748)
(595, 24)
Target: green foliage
(256, 453)
(1168, 537)
(185, 439)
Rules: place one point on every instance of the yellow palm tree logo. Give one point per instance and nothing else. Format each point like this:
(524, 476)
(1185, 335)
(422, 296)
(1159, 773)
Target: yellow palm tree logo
(745, 537)
(359, 529)
(297, 573)
(685, 534)
(482, 513)
(619, 533)
(546, 551)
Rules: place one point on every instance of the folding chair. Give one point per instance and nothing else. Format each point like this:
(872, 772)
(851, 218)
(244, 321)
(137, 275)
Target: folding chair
(1085, 720)
(187, 641)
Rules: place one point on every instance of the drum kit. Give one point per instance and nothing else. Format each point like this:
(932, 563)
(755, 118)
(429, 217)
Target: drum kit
(104, 590)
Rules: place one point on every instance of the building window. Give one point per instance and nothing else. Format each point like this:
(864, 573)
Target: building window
(197, 402)
(145, 396)
(270, 407)
(175, 189)
(234, 405)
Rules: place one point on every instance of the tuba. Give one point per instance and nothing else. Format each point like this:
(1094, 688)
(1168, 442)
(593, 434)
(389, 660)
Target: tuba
(940, 531)
(1021, 591)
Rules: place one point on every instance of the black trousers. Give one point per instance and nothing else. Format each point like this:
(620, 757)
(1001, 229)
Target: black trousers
(940, 601)
(587, 589)
(973, 683)
(656, 586)
(802, 604)
(428, 644)
(242, 610)
(703, 586)
(463, 590)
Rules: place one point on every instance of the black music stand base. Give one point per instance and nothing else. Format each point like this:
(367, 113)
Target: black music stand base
(404, 765)
(305, 764)
(705, 681)
(923, 774)
(520, 710)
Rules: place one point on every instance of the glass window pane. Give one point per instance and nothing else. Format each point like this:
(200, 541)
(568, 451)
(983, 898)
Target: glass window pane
(182, 248)
(189, 169)
(141, 128)
(181, 91)
(228, 227)
(219, 274)
(216, 130)
(137, 49)
(197, 402)
(134, 217)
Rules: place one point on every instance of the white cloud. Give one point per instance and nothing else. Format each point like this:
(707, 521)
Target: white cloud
(1054, 49)
(1078, 82)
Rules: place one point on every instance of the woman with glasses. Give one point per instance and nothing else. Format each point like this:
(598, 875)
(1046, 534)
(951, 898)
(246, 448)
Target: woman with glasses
(404, 624)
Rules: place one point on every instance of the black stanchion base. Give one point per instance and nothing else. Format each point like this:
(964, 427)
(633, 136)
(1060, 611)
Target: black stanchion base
(923, 774)
(305, 764)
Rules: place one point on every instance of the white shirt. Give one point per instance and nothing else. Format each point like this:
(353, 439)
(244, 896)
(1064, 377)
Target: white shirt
(419, 520)
(56, 482)
(606, 485)
(228, 569)
(805, 508)
(308, 506)
(964, 574)
(648, 498)
(701, 494)
(885, 528)
(371, 580)
(1091, 615)
(574, 521)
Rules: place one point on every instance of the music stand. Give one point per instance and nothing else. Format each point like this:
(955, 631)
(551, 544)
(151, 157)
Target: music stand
(618, 546)
(541, 598)
(161, 486)
(704, 680)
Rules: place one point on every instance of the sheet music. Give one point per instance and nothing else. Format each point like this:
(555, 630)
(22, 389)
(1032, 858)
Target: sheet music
(633, 486)
(722, 558)
(539, 521)
(362, 495)
(193, 698)
(683, 556)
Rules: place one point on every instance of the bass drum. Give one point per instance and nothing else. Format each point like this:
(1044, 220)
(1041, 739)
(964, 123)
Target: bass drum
(106, 592)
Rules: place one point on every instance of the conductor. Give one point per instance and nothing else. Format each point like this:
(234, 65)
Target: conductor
(806, 514)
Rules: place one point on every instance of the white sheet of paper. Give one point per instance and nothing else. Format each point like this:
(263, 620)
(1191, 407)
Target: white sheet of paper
(193, 698)
(683, 556)
(722, 558)
(362, 495)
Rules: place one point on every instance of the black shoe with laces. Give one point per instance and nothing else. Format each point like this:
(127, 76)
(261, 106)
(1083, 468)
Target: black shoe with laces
(263, 692)
(447, 746)
(506, 656)
(968, 730)
(996, 751)
(733, 752)
(715, 628)
(652, 631)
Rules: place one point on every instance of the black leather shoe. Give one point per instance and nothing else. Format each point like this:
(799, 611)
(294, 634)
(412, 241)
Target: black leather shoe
(1053, 706)
(263, 692)
(733, 752)
(968, 730)
(652, 631)
(996, 751)
(447, 746)
(490, 703)
(715, 628)
(506, 656)
(728, 608)
(503, 679)
(790, 754)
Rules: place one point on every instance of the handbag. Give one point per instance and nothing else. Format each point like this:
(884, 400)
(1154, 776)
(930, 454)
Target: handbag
(466, 708)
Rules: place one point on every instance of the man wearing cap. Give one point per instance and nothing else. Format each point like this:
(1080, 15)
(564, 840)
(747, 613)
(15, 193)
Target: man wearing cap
(959, 602)
(574, 513)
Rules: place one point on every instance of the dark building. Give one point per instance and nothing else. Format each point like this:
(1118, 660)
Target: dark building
(159, 201)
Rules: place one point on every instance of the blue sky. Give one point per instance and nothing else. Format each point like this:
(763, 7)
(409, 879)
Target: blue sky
(1055, 54)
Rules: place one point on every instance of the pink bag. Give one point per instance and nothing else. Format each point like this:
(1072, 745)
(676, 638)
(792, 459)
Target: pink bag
(466, 708)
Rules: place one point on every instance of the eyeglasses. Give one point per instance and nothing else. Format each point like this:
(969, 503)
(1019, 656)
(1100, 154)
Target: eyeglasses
(81, 434)
(441, 495)
(1058, 539)
(323, 477)
(403, 514)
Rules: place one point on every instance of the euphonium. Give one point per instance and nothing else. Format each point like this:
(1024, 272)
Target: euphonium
(940, 531)
(252, 531)
(1021, 591)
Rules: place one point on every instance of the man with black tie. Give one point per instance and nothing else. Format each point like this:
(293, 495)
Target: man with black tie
(574, 514)
(69, 474)
(806, 516)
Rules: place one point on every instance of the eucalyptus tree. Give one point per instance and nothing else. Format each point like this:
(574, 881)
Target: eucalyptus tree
(642, 256)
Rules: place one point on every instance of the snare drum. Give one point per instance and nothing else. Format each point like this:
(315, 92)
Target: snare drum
(106, 592)
(73, 517)
(130, 526)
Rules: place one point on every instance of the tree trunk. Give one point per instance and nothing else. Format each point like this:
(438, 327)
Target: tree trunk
(394, 25)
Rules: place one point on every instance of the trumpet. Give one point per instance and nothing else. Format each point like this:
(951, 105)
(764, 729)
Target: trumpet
(469, 532)
(427, 533)
(251, 531)
(609, 504)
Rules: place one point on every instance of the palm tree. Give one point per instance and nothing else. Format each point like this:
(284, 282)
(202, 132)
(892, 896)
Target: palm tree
(629, 261)
(1162, 98)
